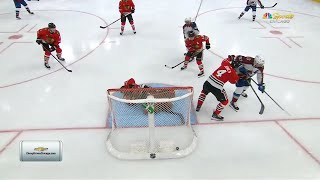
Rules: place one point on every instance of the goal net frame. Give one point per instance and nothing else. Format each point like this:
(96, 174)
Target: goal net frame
(151, 104)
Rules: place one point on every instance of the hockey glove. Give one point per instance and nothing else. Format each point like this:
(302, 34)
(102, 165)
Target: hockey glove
(132, 10)
(39, 41)
(144, 86)
(243, 70)
(207, 46)
(261, 87)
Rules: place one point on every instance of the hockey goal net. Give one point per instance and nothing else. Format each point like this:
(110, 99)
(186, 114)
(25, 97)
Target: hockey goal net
(151, 123)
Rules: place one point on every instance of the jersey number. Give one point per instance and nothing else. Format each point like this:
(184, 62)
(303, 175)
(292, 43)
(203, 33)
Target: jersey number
(221, 72)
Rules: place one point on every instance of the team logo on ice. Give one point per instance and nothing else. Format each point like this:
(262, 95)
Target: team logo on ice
(277, 17)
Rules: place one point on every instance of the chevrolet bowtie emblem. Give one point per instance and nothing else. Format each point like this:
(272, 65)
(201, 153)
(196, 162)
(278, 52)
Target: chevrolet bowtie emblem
(40, 149)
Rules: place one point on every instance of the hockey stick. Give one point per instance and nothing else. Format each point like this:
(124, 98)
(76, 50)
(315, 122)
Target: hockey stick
(69, 70)
(182, 121)
(269, 6)
(195, 19)
(262, 105)
(273, 99)
(172, 67)
(103, 27)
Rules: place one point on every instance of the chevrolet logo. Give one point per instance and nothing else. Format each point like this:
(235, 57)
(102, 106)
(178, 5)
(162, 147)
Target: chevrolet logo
(40, 149)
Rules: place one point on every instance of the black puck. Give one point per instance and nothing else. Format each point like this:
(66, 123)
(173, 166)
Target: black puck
(152, 155)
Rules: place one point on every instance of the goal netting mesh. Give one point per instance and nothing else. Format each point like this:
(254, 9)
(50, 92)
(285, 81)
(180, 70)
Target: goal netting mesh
(151, 123)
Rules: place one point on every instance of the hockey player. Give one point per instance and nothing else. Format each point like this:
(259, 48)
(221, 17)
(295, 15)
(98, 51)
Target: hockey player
(132, 91)
(49, 36)
(126, 9)
(18, 3)
(250, 66)
(252, 4)
(189, 26)
(131, 83)
(214, 84)
(194, 46)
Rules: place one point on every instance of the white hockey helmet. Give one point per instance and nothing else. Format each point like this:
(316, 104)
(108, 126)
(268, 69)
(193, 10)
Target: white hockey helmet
(187, 20)
(258, 61)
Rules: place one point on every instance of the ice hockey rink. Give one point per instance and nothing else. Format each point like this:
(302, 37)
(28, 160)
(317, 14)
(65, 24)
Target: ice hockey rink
(41, 104)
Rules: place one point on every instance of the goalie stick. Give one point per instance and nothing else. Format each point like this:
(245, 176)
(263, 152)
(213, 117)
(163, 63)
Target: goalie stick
(172, 67)
(269, 6)
(103, 27)
(182, 121)
(69, 70)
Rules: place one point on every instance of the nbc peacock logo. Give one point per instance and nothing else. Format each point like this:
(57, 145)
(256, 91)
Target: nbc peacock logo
(267, 16)
(277, 17)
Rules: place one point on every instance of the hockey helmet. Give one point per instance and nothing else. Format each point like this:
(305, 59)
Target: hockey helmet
(187, 20)
(231, 57)
(51, 25)
(258, 61)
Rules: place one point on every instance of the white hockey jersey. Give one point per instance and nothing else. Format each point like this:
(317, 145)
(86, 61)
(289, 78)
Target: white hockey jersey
(254, 2)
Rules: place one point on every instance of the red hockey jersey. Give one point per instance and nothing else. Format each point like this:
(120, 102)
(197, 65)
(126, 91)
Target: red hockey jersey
(50, 38)
(195, 44)
(125, 6)
(223, 74)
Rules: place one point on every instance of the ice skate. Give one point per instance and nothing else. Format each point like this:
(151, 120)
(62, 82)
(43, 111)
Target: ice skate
(201, 74)
(216, 117)
(243, 94)
(183, 68)
(240, 15)
(234, 106)
(198, 108)
(60, 57)
(47, 65)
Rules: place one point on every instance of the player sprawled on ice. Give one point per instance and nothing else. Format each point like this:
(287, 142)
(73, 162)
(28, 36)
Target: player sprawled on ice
(194, 45)
(49, 37)
(214, 84)
(131, 83)
(126, 9)
(132, 91)
(189, 26)
(250, 66)
(252, 4)
(18, 3)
